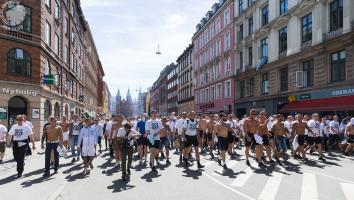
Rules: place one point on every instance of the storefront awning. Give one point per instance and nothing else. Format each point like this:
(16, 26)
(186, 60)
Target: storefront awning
(344, 103)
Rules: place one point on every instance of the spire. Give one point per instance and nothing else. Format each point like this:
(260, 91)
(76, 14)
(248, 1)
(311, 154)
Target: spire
(129, 97)
(118, 93)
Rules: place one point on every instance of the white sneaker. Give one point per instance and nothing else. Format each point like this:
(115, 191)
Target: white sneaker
(117, 164)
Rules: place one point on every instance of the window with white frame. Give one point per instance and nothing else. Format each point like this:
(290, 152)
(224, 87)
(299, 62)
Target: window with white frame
(47, 33)
(206, 95)
(227, 42)
(228, 65)
(56, 44)
(218, 92)
(212, 93)
(227, 17)
(227, 89)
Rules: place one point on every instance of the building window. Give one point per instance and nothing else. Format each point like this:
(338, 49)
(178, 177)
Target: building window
(228, 65)
(227, 17)
(250, 3)
(283, 39)
(197, 97)
(65, 56)
(306, 24)
(240, 6)
(284, 79)
(227, 89)
(250, 87)
(265, 15)
(212, 93)
(48, 4)
(264, 47)
(56, 10)
(206, 95)
(242, 89)
(66, 26)
(308, 73)
(57, 110)
(241, 60)
(338, 66)
(283, 7)
(240, 33)
(26, 25)
(250, 55)
(19, 62)
(265, 83)
(47, 110)
(47, 67)
(250, 25)
(56, 44)
(336, 15)
(227, 41)
(218, 92)
(47, 33)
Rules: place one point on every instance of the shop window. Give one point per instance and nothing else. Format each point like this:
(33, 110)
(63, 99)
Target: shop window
(47, 110)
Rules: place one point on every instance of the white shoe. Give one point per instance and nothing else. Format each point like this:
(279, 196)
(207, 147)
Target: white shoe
(117, 164)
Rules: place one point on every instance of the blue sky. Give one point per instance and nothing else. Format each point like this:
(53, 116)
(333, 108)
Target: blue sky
(127, 32)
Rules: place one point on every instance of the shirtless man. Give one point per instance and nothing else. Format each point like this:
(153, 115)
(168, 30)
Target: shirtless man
(233, 138)
(117, 124)
(315, 137)
(165, 133)
(349, 131)
(279, 131)
(211, 134)
(53, 134)
(299, 128)
(65, 126)
(251, 128)
(264, 133)
(202, 128)
(222, 130)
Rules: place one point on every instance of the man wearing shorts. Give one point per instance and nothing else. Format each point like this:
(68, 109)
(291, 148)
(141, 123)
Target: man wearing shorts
(142, 141)
(153, 128)
(251, 128)
(211, 134)
(334, 132)
(349, 131)
(264, 133)
(164, 138)
(280, 136)
(75, 128)
(179, 128)
(314, 138)
(201, 130)
(65, 125)
(3, 132)
(117, 124)
(190, 135)
(299, 128)
(222, 130)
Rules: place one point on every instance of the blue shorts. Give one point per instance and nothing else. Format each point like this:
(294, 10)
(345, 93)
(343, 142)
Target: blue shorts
(281, 145)
(165, 142)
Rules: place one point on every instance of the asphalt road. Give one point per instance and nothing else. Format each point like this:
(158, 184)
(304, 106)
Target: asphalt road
(331, 180)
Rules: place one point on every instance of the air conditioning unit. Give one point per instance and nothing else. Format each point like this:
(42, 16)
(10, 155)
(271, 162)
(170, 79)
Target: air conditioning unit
(300, 79)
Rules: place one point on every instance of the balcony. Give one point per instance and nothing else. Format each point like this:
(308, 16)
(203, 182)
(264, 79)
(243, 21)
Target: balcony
(306, 44)
(332, 34)
(21, 35)
(282, 54)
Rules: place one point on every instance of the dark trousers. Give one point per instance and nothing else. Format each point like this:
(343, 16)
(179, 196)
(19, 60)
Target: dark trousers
(126, 154)
(19, 153)
(48, 150)
(106, 141)
(111, 150)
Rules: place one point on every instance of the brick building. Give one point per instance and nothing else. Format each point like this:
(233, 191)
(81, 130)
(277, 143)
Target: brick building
(185, 81)
(42, 61)
(172, 90)
(213, 60)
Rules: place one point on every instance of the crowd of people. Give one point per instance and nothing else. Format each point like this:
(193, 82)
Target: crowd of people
(272, 139)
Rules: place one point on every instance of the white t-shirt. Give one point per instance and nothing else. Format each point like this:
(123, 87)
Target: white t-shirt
(315, 126)
(76, 128)
(191, 127)
(233, 124)
(20, 132)
(122, 133)
(3, 131)
(28, 123)
(108, 129)
(172, 124)
(153, 127)
(288, 125)
(335, 126)
(179, 125)
(99, 129)
(241, 124)
(326, 127)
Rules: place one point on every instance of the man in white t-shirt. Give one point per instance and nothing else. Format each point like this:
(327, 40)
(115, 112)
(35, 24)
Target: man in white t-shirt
(20, 133)
(334, 130)
(75, 128)
(3, 132)
(315, 138)
(179, 130)
(152, 129)
(190, 138)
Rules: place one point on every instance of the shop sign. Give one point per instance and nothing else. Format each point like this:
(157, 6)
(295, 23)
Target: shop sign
(345, 91)
(305, 96)
(18, 92)
(3, 113)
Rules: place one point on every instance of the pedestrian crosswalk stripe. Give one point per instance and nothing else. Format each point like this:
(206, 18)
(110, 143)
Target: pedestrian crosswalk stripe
(348, 190)
(270, 189)
(229, 165)
(309, 187)
(242, 178)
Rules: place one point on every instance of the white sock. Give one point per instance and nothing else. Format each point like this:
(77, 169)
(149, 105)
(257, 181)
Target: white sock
(223, 162)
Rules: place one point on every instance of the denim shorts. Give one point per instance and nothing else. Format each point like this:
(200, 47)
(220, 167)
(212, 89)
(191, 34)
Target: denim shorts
(281, 145)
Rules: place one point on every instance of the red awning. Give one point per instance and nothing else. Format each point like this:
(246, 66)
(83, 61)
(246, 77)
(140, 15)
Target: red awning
(344, 103)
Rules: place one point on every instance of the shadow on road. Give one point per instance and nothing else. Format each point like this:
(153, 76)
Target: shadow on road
(8, 179)
(36, 181)
(119, 186)
(195, 174)
(148, 177)
(72, 178)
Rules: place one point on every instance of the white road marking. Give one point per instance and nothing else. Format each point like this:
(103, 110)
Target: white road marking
(228, 187)
(229, 165)
(348, 190)
(270, 190)
(333, 177)
(309, 187)
(56, 195)
(241, 179)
